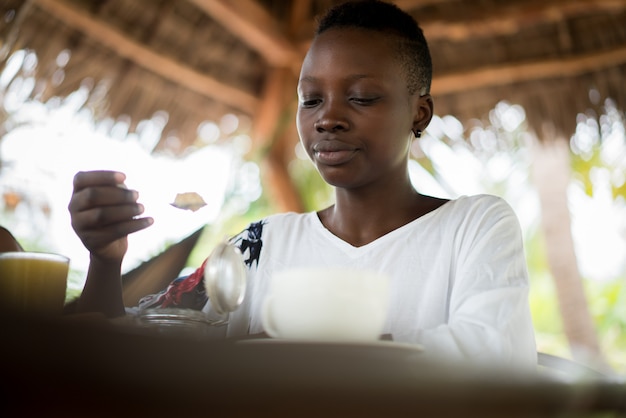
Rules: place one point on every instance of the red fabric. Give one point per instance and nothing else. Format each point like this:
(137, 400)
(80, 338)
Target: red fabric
(178, 288)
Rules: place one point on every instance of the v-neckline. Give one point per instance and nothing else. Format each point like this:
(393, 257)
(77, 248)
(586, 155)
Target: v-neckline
(349, 248)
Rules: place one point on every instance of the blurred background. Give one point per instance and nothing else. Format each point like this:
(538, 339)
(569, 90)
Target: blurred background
(199, 96)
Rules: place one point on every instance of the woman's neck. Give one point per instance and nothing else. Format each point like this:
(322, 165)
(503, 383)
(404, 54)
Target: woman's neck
(359, 217)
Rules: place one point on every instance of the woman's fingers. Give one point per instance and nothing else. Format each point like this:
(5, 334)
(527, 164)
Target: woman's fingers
(103, 211)
(100, 188)
(97, 238)
(101, 195)
(84, 179)
(98, 216)
(104, 197)
(100, 228)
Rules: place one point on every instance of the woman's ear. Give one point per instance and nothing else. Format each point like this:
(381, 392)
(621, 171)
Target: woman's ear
(423, 112)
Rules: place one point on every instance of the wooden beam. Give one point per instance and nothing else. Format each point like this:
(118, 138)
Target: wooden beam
(273, 104)
(414, 4)
(510, 74)
(509, 19)
(147, 58)
(251, 22)
(299, 16)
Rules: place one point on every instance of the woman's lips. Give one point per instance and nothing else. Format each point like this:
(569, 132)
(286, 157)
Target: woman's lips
(334, 157)
(334, 153)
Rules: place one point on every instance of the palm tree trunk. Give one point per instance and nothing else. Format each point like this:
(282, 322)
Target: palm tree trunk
(551, 172)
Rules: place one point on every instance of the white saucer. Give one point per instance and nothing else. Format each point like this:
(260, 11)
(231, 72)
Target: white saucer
(382, 344)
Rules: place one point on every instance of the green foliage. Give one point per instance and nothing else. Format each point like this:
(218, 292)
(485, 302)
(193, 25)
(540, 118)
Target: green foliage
(314, 191)
(543, 299)
(582, 167)
(619, 191)
(607, 303)
(600, 144)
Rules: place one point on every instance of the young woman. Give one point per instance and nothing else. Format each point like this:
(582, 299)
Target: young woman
(459, 283)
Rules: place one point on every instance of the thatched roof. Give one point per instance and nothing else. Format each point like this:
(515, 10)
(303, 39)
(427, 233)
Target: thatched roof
(201, 59)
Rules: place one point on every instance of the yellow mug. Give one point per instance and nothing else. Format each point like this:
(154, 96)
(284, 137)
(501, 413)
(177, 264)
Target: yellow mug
(33, 282)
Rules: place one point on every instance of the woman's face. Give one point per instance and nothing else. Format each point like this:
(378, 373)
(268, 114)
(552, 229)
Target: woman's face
(355, 114)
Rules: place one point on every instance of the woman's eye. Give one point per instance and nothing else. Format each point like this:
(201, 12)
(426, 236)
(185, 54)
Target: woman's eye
(309, 102)
(364, 100)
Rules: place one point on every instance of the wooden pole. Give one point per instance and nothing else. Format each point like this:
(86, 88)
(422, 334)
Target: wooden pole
(273, 139)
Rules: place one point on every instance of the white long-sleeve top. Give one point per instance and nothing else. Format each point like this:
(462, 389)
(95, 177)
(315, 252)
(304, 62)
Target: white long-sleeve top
(459, 282)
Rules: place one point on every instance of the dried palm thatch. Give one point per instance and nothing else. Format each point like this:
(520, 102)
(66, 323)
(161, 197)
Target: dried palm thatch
(146, 56)
(200, 59)
(555, 58)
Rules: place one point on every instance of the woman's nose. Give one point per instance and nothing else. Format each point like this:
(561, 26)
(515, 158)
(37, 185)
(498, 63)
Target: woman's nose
(331, 119)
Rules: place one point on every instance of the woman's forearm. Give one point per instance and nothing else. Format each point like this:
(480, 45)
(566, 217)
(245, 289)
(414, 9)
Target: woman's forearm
(103, 289)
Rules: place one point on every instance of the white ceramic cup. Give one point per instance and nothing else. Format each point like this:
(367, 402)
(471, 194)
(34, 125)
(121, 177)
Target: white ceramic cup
(326, 304)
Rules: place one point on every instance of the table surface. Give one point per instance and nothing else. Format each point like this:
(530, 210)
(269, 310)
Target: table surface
(88, 367)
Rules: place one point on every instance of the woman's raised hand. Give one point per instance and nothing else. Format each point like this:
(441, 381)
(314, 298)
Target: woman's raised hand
(104, 212)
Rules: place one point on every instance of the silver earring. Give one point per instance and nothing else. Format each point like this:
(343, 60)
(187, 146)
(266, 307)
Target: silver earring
(417, 133)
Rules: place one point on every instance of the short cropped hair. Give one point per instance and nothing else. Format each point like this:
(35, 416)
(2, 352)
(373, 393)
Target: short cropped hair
(412, 48)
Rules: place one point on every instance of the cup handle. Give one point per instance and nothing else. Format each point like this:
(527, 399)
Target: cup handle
(266, 318)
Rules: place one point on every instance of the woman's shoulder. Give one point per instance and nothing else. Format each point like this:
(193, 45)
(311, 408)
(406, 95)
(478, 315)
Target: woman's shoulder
(483, 209)
(480, 202)
(484, 212)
